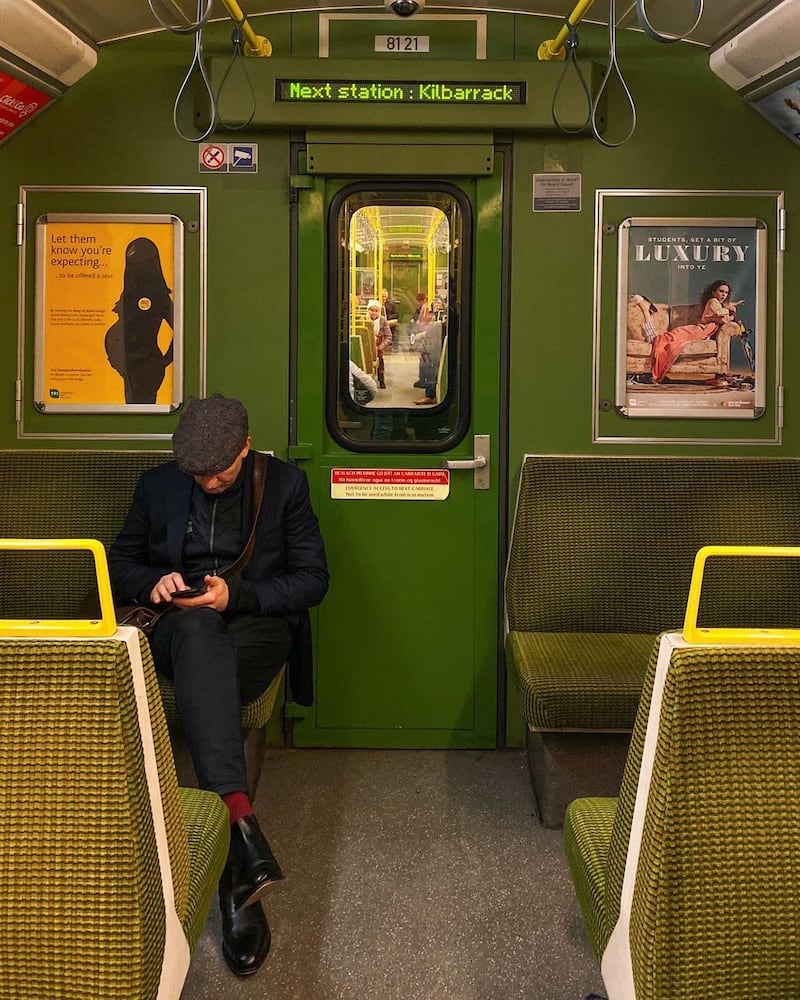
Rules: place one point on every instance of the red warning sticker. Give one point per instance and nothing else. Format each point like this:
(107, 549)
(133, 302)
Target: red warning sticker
(390, 484)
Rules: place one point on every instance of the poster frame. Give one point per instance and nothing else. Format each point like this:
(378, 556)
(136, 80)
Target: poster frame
(44, 297)
(611, 206)
(672, 244)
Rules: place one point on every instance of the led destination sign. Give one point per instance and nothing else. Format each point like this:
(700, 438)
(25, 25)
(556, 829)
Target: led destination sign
(397, 92)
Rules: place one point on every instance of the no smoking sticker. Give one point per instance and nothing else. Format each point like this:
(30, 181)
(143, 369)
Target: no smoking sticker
(213, 158)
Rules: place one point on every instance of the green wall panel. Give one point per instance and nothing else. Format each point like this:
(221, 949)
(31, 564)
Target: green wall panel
(115, 127)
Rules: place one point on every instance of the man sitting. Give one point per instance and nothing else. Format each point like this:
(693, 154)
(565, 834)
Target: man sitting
(190, 519)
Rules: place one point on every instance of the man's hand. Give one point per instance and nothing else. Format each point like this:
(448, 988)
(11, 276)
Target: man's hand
(215, 597)
(162, 592)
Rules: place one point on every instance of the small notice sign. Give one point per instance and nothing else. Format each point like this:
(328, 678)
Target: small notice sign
(228, 158)
(390, 484)
(556, 192)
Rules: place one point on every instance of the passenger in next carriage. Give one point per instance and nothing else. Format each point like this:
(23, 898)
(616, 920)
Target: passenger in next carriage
(426, 338)
(383, 337)
(390, 310)
(189, 520)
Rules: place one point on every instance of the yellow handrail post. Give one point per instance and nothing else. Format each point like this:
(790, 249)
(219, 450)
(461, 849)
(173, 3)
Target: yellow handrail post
(255, 45)
(693, 634)
(553, 48)
(102, 627)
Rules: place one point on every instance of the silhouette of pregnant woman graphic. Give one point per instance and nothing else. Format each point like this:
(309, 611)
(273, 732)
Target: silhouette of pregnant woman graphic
(132, 342)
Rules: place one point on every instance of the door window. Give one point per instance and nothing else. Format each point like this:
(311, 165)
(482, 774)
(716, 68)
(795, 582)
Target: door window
(398, 328)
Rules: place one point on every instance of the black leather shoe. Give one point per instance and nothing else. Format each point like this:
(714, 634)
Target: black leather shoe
(245, 933)
(254, 869)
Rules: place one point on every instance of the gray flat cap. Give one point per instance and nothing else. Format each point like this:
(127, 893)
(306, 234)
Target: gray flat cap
(210, 435)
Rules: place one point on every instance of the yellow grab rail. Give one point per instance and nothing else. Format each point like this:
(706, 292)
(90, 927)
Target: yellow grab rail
(773, 636)
(553, 48)
(73, 628)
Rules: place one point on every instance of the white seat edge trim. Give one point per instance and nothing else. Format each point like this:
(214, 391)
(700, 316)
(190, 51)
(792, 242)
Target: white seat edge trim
(616, 965)
(175, 964)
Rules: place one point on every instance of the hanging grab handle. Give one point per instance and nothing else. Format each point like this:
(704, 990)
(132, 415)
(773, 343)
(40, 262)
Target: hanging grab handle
(651, 32)
(572, 59)
(613, 66)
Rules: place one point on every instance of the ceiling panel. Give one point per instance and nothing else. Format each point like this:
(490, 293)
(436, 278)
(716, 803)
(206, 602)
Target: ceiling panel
(115, 19)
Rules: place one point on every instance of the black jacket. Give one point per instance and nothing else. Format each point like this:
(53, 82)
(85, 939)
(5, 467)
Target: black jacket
(287, 568)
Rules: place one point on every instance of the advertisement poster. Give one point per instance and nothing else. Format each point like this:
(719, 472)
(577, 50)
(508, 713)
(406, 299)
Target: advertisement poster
(19, 102)
(109, 313)
(691, 318)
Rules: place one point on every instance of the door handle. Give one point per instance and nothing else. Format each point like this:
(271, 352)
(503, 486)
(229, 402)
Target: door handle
(479, 464)
(467, 463)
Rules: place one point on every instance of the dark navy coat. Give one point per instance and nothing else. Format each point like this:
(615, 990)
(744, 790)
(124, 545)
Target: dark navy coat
(287, 568)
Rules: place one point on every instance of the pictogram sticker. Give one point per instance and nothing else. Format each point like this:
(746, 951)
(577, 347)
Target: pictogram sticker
(213, 158)
(243, 158)
(228, 157)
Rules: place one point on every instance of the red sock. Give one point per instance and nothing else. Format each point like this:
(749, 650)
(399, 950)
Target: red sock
(238, 805)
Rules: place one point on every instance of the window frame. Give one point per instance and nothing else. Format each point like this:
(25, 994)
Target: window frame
(458, 398)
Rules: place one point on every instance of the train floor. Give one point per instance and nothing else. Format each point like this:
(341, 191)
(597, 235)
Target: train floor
(401, 371)
(411, 875)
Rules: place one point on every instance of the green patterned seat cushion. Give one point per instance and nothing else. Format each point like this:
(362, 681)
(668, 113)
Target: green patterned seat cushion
(717, 888)
(579, 680)
(73, 790)
(207, 823)
(716, 909)
(587, 837)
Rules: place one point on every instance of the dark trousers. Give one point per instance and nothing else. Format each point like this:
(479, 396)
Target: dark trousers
(217, 666)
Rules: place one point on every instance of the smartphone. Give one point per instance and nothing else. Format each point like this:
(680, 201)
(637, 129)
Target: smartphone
(190, 591)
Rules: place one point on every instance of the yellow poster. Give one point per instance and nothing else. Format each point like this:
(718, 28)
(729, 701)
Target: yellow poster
(109, 334)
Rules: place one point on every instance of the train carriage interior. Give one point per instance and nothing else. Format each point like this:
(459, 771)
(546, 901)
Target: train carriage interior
(504, 286)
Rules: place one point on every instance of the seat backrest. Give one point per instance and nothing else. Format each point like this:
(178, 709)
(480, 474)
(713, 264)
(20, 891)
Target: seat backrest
(702, 889)
(64, 494)
(607, 544)
(90, 855)
(366, 333)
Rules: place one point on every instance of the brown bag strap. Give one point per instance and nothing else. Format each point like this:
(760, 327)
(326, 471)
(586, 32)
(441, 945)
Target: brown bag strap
(259, 481)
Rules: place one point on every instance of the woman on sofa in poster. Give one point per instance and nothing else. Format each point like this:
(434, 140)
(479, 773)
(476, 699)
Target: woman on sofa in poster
(718, 309)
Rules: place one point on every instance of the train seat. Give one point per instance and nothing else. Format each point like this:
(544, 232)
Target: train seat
(687, 882)
(366, 336)
(357, 354)
(600, 563)
(86, 494)
(108, 868)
